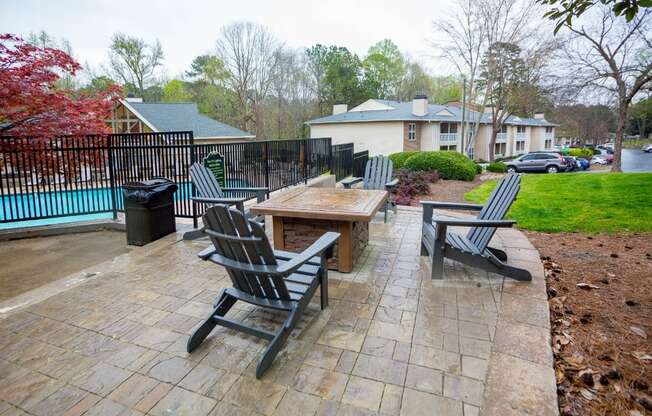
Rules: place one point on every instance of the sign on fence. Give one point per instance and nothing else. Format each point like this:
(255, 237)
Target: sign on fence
(215, 163)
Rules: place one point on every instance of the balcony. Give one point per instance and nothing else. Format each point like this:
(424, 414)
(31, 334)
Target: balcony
(501, 138)
(521, 136)
(447, 138)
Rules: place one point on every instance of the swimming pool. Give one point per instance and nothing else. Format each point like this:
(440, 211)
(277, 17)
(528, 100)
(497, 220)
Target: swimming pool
(57, 207)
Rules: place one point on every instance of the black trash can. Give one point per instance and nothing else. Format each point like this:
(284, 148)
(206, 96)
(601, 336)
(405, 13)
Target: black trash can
(149, 210)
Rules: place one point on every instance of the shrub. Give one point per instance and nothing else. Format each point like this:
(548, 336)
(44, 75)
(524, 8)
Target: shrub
(411, 184)
(498, 167)
(450, 165)
(478, 168)
(398, 159)
(581, 152)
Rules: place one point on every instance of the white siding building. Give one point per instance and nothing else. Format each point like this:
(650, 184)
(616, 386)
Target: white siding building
(384, 127)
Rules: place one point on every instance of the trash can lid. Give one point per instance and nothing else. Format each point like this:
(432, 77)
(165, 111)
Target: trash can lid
(146, 185)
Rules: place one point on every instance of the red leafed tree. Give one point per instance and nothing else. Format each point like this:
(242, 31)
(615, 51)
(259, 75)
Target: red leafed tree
(32, 105)
(35, 114)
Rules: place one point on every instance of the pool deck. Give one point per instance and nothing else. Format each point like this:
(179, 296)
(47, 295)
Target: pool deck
(392, 342)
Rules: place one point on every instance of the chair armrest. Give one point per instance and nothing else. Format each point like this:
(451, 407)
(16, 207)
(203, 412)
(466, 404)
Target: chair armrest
(391, 183)
(452, 205)
(347, 183)
(472, 222)
(260, 192)
(245, 189)
(315, 249)
(218, 200)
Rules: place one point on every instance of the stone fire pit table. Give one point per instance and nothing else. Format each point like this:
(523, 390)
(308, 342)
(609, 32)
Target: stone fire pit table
(302, 215)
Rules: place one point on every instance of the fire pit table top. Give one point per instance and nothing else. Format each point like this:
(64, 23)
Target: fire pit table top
(324, 203)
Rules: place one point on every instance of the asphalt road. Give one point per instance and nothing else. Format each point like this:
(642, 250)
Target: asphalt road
(636, 160)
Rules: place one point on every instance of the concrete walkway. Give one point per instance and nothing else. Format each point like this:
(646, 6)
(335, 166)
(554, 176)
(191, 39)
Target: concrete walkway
(392, 342)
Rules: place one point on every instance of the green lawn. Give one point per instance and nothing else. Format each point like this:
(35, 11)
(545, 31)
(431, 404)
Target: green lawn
(588, 202)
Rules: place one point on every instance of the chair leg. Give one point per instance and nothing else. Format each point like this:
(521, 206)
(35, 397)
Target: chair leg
(222, 306)
(276, 344)
(323, 286)
(437, 265)
(194, 234)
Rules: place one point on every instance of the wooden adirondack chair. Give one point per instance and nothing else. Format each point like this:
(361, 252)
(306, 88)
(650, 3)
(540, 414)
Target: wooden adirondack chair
(209, 192)
(472, 249)
(377, 175)
(262, 277)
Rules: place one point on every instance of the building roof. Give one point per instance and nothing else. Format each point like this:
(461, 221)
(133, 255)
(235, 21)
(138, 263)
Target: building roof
(183, 117)
(389, 110)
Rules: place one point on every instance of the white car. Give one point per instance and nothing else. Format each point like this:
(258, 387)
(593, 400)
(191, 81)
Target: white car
(647, 148)
(597, 160)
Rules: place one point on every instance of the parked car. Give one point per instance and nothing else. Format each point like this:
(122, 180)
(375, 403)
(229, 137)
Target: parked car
(584, 163)
(598, 160)
(647, 148)
(550, 162)
(571, 163)
(607, 154)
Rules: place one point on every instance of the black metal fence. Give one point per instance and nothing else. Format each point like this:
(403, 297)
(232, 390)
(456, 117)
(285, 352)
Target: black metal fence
(83, 175)
(360, 163)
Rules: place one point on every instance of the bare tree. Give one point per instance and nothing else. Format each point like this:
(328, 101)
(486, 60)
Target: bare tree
(250, 54)
(465, 37)
(134, 61)
(612, 57)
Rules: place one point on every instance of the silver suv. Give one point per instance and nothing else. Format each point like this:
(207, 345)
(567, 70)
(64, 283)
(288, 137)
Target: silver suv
(537, 162)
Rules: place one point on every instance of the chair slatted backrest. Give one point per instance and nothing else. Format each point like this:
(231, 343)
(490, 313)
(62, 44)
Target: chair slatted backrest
(377, 173)
(205, 182)
(245, 242)
(496, 208)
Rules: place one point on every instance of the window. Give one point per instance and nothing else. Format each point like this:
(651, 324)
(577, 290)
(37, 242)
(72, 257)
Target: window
(520, 146)
(500, 148)
(520, 129)
(548, 144)
(529, 157)
(548, 129)
(451, 147)
(412, 132)
(448, 128)
(503, 128)
(470, 153)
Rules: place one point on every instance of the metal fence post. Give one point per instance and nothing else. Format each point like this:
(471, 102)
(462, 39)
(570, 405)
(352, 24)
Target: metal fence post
(114, 205)
(266, 160)
(193, 158)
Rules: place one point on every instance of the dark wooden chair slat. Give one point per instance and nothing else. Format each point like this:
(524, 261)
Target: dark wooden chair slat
(378, 176)
(472, 249)
(286, 281)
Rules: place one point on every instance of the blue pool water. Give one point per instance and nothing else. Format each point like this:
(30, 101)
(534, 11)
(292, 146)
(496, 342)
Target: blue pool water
(71, 206)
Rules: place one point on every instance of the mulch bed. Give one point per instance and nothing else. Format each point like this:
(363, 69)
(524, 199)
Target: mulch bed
(451, 190)
(600, 296)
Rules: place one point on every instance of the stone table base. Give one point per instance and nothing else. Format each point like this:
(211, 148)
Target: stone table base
(296, 234)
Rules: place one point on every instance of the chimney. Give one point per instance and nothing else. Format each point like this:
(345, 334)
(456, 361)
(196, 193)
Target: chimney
(340, 108)
(540, 116)
(420, 105)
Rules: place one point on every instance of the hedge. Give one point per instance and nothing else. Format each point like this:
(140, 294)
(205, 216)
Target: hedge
(581, 152)
(449, 164)
(497, 167)
(398, 159)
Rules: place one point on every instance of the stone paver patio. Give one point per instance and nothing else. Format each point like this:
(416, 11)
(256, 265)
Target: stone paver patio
(392, 342)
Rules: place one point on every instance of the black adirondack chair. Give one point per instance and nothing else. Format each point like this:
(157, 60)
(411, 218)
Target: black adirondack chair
(210, 193)
(262, 277)
(472, 249)
(377, 175)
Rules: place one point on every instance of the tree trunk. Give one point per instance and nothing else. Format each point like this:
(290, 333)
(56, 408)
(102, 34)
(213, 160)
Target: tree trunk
(618, 144)
(492, 144)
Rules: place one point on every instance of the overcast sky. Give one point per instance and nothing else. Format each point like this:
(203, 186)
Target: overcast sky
(187, 28)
